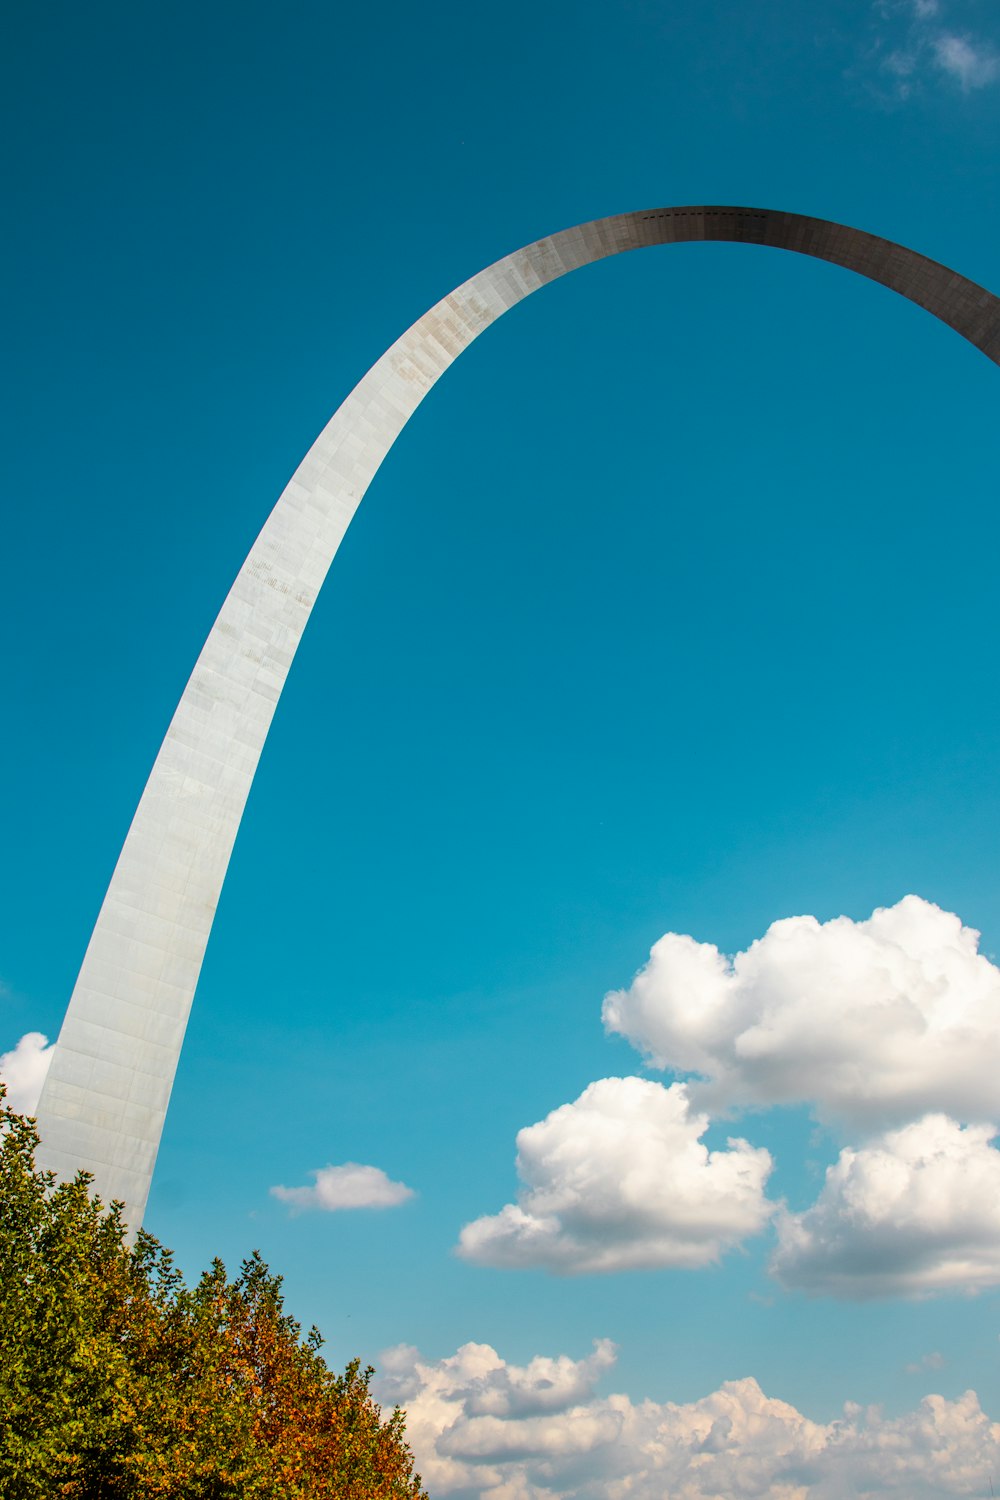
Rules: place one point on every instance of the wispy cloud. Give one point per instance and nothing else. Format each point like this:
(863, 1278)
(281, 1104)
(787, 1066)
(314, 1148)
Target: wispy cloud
(935, 1361)
(348, 1186)
(972, 63)
(917, 42)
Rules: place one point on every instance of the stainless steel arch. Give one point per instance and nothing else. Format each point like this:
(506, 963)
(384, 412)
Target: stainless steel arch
(105, 1099)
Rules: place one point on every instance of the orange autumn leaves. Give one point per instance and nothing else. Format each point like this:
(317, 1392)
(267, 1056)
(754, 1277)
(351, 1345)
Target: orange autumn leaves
(117, 1381)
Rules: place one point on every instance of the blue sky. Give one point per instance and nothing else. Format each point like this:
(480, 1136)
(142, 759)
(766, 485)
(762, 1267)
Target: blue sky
(673, 611)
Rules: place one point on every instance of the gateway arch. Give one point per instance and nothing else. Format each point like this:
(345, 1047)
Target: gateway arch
(105, 1099)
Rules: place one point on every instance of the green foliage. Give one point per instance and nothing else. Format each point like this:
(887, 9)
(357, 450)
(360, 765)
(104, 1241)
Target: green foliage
(117, 1381)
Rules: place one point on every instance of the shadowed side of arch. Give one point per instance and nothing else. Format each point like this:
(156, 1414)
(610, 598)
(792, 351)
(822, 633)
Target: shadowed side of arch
(105, 1098)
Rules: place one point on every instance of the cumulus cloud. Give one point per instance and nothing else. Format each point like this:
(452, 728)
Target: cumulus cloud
(348, 1186)
(913, 1213)
(873, 1023)
(471, 1443)
(492, 1388)
(971, 63)
(23, 1070)
(620, 1180)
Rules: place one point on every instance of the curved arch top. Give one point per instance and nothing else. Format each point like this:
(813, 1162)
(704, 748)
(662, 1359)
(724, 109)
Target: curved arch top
(105, 1098)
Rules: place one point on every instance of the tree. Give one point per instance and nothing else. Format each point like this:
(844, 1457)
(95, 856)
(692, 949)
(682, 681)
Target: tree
(117, 1381)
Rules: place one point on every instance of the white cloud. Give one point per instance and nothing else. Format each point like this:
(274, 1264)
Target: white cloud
(472, 1444)
(914, 1213)
(926, 1362)
(347, 1186)
(620, 1180)
(23, 1070)
(971, 63)
(492, 1388)
(912, 43)
(873, 1022)
(902, 64)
